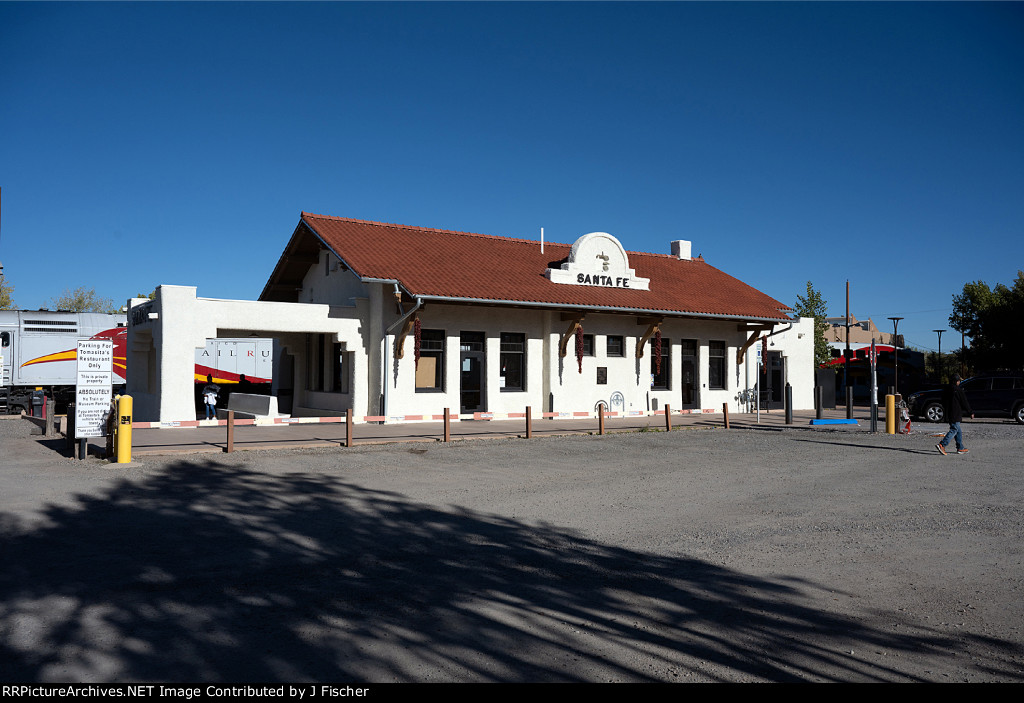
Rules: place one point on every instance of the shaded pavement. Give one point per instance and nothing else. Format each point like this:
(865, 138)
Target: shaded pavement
(211, 572)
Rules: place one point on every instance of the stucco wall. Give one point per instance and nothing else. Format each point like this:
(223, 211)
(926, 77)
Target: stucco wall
(178, 322)
(162, 344)
(556, 383)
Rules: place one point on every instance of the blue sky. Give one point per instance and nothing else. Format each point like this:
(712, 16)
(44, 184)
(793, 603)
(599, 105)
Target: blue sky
(882, 143)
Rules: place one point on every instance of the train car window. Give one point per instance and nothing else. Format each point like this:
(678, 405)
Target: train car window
(5, 339)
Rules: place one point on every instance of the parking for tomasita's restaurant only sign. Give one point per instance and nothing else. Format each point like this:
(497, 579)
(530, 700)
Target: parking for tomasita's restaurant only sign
(93, 387)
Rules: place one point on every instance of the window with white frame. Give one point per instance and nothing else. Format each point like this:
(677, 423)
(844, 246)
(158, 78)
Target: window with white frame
(615, 345)
(664, 374)
(513, 361)
(716, 365)
(430, 370)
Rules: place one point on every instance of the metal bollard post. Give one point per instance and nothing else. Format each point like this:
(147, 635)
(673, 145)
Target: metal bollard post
(348, 427)
(111, 430)
(890, 414)
(124, 429)
(817, 402)
(447, 426)
(529, 422)
(231, 431)
(668, 417)
(600, 418)
(69, 435)
(789, 404)
(849, 402)
(725, 413)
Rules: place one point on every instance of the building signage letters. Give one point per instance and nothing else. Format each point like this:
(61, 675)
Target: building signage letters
(139, 314)
(595, 280)
(598, 259)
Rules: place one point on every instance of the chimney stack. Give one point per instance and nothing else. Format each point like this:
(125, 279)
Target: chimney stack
(681, 249)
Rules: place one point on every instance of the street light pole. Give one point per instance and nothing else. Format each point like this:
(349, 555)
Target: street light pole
(895, 354)
(846, 357)
(938, 366)
(963, 353)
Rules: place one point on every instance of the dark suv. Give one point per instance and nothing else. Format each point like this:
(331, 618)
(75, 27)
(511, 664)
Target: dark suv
(989, 396)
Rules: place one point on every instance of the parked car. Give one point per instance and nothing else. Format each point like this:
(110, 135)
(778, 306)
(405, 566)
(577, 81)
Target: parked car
(995, 395)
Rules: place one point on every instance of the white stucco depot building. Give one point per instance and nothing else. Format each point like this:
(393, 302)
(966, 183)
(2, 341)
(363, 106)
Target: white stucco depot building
(397, 321)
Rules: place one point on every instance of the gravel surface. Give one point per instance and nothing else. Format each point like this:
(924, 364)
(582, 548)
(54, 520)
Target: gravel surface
(14, 427)
(698, 555)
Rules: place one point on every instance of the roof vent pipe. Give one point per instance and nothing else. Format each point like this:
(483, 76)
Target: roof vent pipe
(681, 249)
(541, 240)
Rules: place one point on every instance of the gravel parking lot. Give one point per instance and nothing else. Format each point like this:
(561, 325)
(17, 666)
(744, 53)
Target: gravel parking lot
(793, 554)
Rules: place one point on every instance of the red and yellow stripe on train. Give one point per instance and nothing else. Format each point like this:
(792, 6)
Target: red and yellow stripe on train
(119, 337)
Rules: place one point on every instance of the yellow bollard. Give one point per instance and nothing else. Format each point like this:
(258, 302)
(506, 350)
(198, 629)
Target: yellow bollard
(124, 429)
(890, 414)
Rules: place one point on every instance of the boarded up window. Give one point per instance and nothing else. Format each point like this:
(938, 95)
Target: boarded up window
(430, 371)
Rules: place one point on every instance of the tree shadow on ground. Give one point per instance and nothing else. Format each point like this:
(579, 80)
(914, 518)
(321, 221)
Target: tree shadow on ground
(208, 572)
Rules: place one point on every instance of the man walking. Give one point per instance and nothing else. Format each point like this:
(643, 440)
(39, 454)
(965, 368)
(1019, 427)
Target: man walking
(210, 392)
(956, 407)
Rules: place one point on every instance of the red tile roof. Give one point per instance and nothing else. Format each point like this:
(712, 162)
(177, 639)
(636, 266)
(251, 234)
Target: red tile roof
(445, 264)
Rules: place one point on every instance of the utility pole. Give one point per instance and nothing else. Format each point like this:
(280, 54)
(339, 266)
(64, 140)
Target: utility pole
(895, 354)
(938, 366)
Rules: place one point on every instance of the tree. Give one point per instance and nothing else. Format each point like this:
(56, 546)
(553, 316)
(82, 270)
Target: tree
(813, 305)
(81, 299)
(970, 307)
(6, 303)
(991, 317)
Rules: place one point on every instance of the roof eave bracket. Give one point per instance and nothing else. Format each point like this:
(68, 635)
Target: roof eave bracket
(574, 322)
(755, 332)
(653, 325)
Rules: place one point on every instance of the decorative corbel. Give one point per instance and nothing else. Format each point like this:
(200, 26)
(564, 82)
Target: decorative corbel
(575, 320)
(755, 332)
(653, 325)
(400, 339)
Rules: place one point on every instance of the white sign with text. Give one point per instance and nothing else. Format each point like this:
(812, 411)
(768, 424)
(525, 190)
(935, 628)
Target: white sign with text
(93, 387)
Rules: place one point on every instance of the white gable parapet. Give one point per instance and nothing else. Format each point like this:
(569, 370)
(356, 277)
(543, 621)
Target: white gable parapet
(598, 259)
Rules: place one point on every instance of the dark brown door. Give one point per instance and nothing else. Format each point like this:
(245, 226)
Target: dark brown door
(472, 362)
